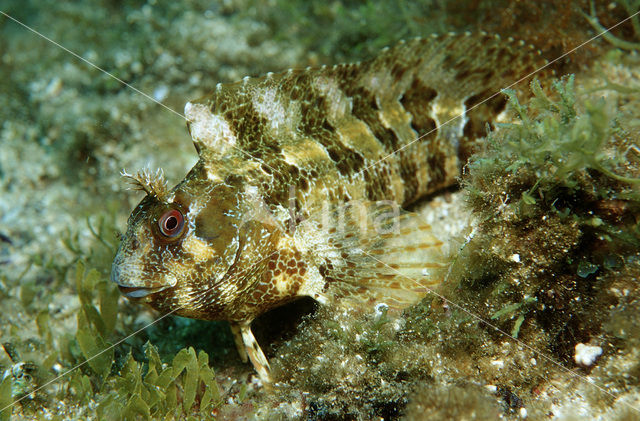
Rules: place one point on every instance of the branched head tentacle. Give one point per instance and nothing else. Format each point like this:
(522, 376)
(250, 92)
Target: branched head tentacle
(153, 183)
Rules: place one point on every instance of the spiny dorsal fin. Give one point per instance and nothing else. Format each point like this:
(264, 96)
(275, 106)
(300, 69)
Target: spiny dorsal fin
(257, 114)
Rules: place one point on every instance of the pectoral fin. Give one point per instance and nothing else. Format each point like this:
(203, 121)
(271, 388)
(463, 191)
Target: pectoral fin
(378, 253)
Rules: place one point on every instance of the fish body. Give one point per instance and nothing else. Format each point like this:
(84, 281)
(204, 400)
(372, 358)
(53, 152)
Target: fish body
(302, 180)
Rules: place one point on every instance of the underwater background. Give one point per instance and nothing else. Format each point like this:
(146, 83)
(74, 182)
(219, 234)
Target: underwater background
(543, 230)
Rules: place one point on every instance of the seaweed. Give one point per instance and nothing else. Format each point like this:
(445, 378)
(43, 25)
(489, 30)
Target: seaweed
(552, 146)
(631, 7)
(6, 398)
(95, 325)
(555, 198)
(125, 389)
(135, 391)
(516, 309)
(185, 387)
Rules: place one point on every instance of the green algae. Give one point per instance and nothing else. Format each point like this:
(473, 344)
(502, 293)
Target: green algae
(151, 390)
(6, 398)
(186, 387)
(154, 389)
(516, 309)
(555, 198)
(631, 7)
(96, 325)
(556, 166)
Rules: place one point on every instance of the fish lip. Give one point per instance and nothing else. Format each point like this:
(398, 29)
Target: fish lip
(137, 292)
(131, 281)
(127, 288)
(131, 291)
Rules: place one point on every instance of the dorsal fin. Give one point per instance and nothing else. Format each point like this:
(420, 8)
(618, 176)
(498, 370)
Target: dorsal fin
(398, 127)
(458, 67)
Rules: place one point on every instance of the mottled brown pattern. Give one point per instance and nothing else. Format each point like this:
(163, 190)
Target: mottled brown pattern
(274, 151)
(366, 108)
(315, 125)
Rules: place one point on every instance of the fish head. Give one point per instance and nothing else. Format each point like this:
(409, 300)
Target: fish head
(184, 250)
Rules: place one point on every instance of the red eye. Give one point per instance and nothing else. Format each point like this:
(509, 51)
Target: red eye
(171, 223)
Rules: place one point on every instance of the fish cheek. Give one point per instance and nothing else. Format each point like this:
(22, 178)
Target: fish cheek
(218, 231)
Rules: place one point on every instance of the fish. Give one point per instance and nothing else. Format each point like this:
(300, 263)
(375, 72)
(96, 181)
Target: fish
(303, 183)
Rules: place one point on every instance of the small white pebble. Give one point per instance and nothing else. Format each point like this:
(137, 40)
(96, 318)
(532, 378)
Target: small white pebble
(492, 388)
(381, 308)
(195, 78)
(398, 324)
(160, 93)
(533, 361)
(91, 55)
(53, 88)
(587, 354)
(515, 257)
(497, 363)
(137, 67)
(523, 412)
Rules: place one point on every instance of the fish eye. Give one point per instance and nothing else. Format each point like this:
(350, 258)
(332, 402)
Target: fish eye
(171, 223)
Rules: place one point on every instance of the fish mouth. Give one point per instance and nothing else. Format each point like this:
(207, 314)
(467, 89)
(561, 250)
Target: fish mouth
(137, 292)
(128, 281)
